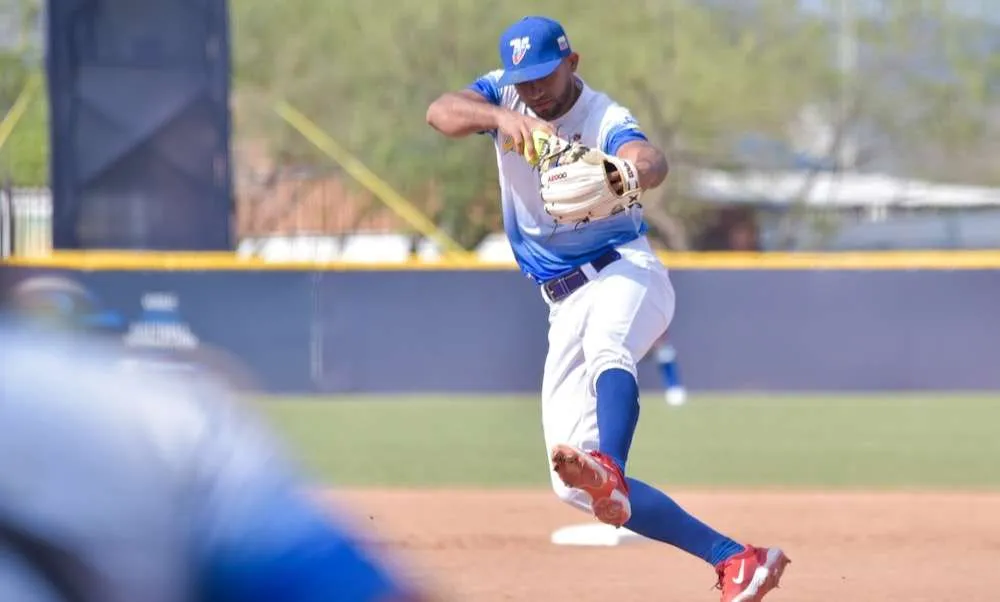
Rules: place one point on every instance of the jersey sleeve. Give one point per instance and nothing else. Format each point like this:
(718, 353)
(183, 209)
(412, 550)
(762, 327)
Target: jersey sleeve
(618, 127)
(262, 537)
(487, 85)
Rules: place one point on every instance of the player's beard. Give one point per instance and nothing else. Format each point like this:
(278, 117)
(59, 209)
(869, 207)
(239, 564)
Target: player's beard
(564, 103)
(551, 111)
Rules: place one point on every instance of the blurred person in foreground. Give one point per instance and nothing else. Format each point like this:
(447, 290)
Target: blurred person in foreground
(126, 486)
(57, 302)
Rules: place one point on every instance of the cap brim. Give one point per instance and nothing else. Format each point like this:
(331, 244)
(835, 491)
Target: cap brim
(528, 74)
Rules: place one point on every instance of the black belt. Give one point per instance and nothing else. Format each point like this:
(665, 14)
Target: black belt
(563, 286)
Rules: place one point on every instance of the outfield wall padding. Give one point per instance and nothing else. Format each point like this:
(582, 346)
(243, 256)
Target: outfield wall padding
(428, 331)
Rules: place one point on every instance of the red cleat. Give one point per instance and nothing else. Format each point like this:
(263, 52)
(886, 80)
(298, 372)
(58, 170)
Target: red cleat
(751, 574)
(599, 477)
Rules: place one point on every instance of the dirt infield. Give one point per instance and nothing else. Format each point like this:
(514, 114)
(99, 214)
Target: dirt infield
(860, 547)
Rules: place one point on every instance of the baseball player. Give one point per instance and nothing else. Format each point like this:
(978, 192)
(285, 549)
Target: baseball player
(665, 355)
(118, 487)
(572, 167)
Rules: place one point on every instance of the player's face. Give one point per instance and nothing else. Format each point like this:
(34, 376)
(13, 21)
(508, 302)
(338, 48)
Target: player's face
(554, 95)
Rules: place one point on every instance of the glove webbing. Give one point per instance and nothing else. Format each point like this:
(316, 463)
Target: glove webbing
(558, 152)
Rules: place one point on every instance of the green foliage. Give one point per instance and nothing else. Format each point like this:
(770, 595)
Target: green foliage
(695, 76)
(937, 84)
(13, 76)
(24, 156)
(367, 75)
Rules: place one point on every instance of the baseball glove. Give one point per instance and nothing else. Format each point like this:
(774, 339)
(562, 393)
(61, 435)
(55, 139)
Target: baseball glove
(577, 185)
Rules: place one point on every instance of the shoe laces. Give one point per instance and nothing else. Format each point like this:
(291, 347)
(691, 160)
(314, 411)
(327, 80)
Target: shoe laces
(720, 571)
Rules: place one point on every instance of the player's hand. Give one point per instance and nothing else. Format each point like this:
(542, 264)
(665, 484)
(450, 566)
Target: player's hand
(614, 178)
(516, 130)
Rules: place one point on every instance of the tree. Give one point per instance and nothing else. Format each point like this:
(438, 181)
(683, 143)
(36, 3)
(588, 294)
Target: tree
(930, 90)
(698, 76)
(24, 156)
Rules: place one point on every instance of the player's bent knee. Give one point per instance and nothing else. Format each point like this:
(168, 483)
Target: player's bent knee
(611, 360)
(611, 356)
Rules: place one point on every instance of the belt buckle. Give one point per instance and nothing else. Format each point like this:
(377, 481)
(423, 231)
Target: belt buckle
(551, 289)
(561, 287)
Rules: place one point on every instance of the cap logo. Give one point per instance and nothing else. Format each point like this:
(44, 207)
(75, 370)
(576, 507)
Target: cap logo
(520, 48)
(563, 43)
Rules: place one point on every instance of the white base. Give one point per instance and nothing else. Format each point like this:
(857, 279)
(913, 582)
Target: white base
(594, 535)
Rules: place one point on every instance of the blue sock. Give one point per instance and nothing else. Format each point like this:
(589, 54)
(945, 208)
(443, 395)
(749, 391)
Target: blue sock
(654, 514)
(617, 412)
(666, 357)
(658, 517)
(668, 372)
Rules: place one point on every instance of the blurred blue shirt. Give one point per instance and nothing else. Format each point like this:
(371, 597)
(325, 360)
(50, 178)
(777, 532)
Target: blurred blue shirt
(163, 491)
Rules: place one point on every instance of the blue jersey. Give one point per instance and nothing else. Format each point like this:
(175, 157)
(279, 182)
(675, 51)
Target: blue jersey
(542, 248)
(163, 491)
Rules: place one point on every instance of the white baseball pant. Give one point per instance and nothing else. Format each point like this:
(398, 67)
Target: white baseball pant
(610, 322)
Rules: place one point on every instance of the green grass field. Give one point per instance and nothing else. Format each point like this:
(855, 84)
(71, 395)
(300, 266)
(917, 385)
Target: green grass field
(860, 442)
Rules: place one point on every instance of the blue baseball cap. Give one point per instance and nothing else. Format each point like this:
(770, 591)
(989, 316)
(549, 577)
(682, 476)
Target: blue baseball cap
(531, 49)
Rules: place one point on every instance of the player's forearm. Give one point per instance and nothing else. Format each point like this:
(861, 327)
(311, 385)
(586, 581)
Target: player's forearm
(653, 171)
(649, 161)
(455, 115)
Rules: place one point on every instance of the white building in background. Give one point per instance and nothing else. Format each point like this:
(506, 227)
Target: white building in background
(874, 211)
